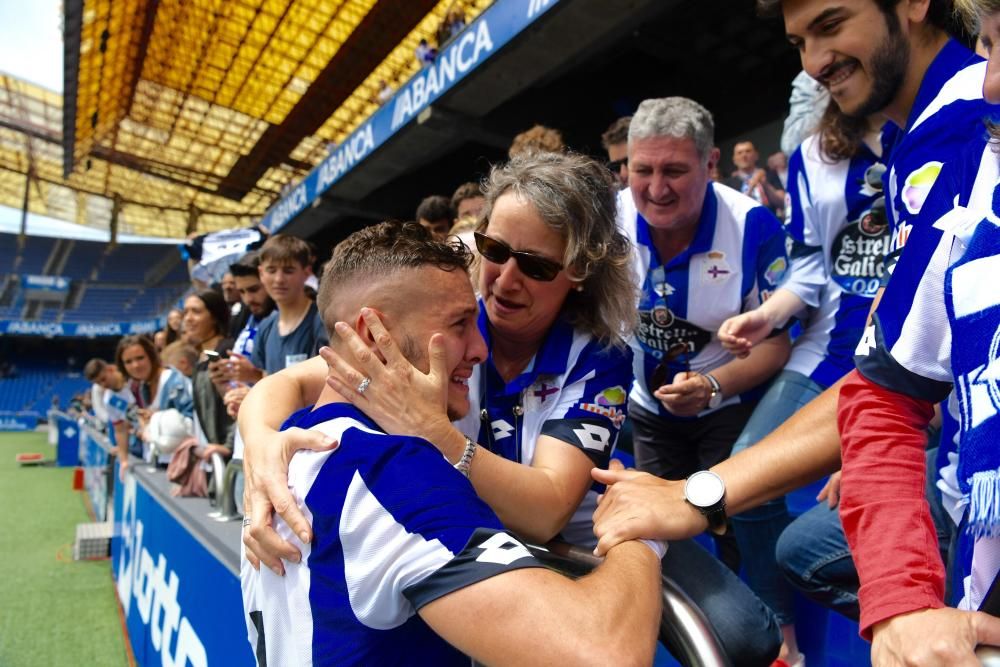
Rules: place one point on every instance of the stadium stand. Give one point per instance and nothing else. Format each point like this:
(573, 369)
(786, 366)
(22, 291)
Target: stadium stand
(32, 390)
(121, 283)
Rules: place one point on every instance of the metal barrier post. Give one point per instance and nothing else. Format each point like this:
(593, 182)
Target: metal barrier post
(683, 627)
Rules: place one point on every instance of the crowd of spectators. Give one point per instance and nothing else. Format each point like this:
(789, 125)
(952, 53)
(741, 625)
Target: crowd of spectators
(742, 332)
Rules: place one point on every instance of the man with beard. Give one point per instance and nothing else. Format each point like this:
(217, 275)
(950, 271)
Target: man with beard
(892, 57)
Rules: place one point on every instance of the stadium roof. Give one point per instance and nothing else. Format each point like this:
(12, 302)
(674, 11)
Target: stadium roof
(197, 114)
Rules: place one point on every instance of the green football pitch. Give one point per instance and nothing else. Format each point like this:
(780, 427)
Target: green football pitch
(53, 610)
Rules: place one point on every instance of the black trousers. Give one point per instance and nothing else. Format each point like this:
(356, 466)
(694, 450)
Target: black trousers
(677, 449)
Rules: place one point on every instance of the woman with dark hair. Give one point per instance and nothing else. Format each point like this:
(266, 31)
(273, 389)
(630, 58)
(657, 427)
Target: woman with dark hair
(154, 386)
(206, 320)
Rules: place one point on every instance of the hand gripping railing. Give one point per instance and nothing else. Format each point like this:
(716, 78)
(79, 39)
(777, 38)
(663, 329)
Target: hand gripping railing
(683, 627)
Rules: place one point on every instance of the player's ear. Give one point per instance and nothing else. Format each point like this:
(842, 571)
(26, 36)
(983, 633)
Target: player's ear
(365, 332)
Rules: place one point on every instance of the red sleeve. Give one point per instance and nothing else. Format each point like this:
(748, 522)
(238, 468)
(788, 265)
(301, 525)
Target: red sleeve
(882, 504)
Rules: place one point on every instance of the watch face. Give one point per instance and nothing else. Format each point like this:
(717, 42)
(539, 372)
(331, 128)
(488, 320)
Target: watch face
(704, 489)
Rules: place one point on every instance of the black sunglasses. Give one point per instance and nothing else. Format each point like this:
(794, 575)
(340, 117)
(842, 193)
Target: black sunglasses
(616, 165)
(676, 355)
(534, 266)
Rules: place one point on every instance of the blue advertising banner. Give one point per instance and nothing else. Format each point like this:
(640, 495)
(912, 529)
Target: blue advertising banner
(94, 456)
(68, 434)
(79, 330)
(182, 606)
(499, 24)
(16, 421)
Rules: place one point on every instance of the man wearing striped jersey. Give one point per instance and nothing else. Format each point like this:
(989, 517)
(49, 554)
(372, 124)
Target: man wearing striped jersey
(874, 56)
(406, 562)
(704, 252)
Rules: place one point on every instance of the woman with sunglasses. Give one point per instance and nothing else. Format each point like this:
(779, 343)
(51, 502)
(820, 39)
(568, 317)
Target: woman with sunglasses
(556, 301)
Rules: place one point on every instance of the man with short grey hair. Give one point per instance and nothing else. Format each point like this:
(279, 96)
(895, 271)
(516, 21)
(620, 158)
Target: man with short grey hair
(704, 253)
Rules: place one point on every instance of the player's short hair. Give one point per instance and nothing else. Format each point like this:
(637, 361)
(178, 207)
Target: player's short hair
(284, 249)
(374, 253)
(677, 117)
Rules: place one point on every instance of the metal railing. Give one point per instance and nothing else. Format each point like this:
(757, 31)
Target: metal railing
(683, 627)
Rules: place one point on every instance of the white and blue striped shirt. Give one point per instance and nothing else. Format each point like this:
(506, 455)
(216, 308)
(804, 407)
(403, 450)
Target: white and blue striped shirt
(735, 261)
(395, 527)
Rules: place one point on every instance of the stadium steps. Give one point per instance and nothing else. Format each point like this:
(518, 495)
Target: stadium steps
(161, 269)
(57, 258)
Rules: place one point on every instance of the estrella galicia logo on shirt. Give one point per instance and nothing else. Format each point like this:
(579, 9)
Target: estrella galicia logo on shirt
(663, 337)
(857, 253)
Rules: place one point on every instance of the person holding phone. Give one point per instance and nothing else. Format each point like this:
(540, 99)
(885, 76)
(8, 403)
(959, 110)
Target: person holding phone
(206, 318)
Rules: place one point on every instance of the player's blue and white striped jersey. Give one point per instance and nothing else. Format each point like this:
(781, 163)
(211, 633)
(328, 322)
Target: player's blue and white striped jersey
(395, 527)
(574, 390)
(948, 106)
(838, 243)
(736, 260)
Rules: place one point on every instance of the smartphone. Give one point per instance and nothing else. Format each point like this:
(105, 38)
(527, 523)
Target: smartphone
(212, 355)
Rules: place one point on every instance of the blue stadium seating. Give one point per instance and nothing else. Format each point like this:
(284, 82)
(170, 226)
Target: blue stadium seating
(35, 253)
(113, 281)
(32, 390)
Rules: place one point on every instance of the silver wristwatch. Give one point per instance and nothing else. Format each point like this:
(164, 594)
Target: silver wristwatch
(715, 399)
(465, 462)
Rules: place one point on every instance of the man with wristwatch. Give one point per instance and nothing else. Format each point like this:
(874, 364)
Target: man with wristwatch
(704, 252)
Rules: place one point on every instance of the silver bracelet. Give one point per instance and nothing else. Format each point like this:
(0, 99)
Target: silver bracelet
(465, 462)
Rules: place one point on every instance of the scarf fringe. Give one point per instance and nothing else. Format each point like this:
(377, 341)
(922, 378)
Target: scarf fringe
(984, 504)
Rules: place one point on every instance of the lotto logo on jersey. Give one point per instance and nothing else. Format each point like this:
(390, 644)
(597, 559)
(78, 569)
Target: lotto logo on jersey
(593, 437)
(502, 549)
(867, 342)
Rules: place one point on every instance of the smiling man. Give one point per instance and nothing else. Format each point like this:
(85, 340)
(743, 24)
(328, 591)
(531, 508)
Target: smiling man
(893, 57)
(407, 565)
(704, 252)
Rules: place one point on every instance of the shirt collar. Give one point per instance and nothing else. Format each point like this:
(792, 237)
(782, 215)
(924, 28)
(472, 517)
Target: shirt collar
(703, 236)
(551, 358)
(311, 416)
(952, 58)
